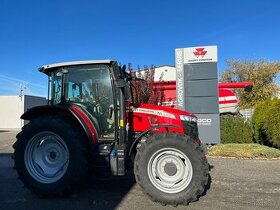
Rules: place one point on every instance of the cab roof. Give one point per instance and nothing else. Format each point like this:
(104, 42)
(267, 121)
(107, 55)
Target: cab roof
(50, 67)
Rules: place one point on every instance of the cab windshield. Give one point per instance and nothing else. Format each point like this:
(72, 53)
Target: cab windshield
(88, 86)
(83, 84)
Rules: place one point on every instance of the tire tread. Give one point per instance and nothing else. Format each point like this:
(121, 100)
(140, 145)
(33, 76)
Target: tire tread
(81, 151)
(203, 180)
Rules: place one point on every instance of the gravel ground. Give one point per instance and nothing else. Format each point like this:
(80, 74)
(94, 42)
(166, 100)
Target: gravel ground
(236, 184)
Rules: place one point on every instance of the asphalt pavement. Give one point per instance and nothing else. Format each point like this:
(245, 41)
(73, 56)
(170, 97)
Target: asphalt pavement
(245, 184)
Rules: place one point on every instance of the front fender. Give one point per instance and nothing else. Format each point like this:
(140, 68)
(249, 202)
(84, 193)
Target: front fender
(134, 144)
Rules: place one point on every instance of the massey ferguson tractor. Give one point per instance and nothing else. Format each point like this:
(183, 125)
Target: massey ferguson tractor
(91, 125)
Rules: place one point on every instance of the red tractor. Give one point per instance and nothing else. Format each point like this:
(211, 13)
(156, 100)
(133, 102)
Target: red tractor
(92, 126)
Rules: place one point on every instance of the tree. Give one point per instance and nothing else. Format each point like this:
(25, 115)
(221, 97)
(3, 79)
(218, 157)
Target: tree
(262, 73)
(146, 91)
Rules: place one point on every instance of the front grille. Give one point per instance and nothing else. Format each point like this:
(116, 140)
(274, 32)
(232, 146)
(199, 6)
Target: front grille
(190, 129)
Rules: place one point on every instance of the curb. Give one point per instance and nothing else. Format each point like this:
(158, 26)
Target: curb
(242, 158)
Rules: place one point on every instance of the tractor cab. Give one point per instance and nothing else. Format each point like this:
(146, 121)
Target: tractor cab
(89, 86)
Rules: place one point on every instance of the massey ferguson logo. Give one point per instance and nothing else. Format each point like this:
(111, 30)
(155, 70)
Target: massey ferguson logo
(199, 52)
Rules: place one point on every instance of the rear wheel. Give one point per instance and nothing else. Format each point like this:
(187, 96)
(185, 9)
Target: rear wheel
(46, 157)
(51, 156)
(171, 169)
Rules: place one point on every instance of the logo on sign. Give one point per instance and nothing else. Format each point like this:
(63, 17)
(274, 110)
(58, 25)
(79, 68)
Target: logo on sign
(204, 121)
(200, 52)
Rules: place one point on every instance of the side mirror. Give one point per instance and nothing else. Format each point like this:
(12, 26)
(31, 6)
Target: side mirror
(124, 68)
(111, 110)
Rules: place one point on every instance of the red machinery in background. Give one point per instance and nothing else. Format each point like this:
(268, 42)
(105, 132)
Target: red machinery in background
(228, 102)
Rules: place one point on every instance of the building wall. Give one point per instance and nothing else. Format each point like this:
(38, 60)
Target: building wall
(31, 101)
(12, 107)
(168, 73)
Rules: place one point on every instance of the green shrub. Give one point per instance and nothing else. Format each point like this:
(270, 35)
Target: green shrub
(266, 123)
(258, 118)
(244, 151)
(235, 130)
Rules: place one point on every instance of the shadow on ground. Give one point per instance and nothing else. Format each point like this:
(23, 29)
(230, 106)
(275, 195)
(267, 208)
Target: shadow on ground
(95, 194)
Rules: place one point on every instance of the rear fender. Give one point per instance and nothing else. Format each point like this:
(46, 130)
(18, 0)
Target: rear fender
(73, 112)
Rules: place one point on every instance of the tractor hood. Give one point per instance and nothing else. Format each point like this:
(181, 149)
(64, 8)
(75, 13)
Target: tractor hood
(160, 110)
(143, 116)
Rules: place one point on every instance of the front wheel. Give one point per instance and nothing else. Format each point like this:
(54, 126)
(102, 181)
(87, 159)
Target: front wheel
(171, 169)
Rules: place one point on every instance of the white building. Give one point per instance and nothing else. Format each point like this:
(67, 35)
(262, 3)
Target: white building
(167, 72)
(12, 107)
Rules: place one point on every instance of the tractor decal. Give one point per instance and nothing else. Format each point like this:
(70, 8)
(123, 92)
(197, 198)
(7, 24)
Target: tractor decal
(159, 113)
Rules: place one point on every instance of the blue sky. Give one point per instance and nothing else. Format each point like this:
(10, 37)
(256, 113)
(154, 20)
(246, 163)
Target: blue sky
(34, 33)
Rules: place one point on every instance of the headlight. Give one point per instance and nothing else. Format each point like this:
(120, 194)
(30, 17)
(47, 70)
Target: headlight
(188, 118)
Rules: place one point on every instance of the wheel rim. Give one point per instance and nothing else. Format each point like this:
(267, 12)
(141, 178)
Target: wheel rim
(170, 170)
(46, 157)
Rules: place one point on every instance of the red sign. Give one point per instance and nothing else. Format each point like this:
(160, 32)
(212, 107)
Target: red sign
(199, 52)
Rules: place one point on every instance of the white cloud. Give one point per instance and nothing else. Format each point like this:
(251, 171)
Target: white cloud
(13, 86)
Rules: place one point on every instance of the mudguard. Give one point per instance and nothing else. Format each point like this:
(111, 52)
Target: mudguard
(134, 144)
(67, 111)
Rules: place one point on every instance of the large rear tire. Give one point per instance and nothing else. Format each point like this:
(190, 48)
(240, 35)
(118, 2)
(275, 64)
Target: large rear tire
(51, 156)
(171, 169)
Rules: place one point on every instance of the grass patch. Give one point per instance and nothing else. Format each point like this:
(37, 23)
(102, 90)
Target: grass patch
(244, 151)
